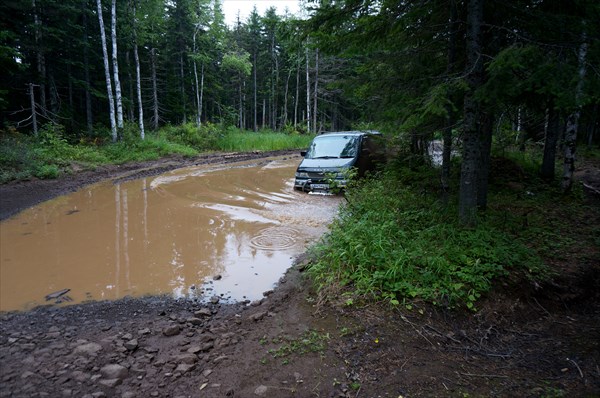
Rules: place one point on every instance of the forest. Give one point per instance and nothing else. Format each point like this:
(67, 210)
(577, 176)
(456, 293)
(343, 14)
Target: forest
(469, 72)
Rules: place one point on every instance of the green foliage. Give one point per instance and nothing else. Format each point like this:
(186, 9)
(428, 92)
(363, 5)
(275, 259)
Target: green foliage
(236, 140)
(201, 138)
(393, 242)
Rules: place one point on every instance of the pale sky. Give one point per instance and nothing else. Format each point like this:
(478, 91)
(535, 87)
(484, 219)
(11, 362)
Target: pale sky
(231, 7)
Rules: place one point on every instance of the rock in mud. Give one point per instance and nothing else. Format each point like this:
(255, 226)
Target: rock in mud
(131, 345)
(91, 349)
(114, 371)
(203, 312)
(261, 391)
(258, 316)
(171, 330)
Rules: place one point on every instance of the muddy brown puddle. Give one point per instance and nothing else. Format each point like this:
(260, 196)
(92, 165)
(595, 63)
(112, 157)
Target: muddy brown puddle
(230, 231)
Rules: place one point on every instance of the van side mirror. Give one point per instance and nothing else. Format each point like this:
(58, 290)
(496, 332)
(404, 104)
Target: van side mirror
(303, 153)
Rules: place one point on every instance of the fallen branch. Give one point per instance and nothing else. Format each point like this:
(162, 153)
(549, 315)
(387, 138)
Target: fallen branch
(577, 366)
(591, 188)
(483, 375)
(57, 294)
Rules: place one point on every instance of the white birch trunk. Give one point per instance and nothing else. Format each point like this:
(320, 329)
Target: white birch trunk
(315, 91)
(113, 35)
(201, 93)
(198, 105)
(138, 84)
(297, 98)
(109, 93)
(307, 93)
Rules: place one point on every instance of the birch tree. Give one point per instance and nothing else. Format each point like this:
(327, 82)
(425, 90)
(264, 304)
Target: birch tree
(115, 62)
(109, 92)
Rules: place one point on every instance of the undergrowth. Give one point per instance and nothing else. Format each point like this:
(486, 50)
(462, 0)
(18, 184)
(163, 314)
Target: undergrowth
(53, 152)
(393, 240)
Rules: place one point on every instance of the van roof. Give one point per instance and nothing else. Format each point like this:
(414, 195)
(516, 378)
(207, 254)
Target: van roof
(353, 132)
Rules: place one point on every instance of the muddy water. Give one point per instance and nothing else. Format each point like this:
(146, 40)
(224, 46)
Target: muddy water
(229, 231)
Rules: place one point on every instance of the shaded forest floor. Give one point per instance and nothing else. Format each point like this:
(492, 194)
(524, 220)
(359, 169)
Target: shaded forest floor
(538, 341)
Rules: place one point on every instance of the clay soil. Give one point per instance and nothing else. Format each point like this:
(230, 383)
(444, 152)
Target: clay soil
(525, 341)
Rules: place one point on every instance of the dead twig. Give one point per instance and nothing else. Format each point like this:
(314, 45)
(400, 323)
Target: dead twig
(539, 305)
(418, 331)
(489, 376)
(577, 366)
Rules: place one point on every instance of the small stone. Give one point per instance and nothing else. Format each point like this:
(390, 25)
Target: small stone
(114, 371)
(258, 316)
(194, 349)
(127, 336)
(215, 299)
(217, 277)
(91, 349)
(268, 293)
(111, 383)
(185, 359)
(144, 331)
(184, 367)
(207, 372)
(131, 345)
(203, 312)
(171, 330)
(261, 391)
(195, 321)
(256, 303)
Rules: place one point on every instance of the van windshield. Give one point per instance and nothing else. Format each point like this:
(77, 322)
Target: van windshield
(339, 146)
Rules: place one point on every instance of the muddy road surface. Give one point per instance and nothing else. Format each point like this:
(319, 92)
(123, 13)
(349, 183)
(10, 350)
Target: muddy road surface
(289, 343)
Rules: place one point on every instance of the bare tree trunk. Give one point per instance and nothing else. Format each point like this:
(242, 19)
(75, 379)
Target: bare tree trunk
(547, 171)
(198, 105)
(138, 78)
(109, 93)
(255, 93)
(201, 90)
(315, 91)
(483, 172)
(297, 98)
(154, 89)
(285, 98)
(86, 72)
(573, 121)
(130, 108)
(264, 109)
(307, 93)
(471, 129)
(113, 35)
(182, 88)
(447, 131)
(40, 58)
(33, 111)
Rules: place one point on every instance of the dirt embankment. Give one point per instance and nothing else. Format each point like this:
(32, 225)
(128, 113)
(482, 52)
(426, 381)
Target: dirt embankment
(521, 342)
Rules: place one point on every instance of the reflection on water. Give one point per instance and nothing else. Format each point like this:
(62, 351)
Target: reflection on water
(169, 234)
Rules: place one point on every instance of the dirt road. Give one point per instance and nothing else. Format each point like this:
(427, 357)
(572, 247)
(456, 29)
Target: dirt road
(520, 342)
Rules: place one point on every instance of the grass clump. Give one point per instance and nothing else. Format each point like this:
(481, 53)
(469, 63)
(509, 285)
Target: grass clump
(394, 241)
(236, 140)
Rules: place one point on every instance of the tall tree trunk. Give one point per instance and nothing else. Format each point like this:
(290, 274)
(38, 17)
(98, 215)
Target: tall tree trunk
(130, 108)
(573, 121)
(201, 90)
(40, 58)
(297, 98)
(109, 93)
(89, 117)
(198, 105)
(285, 98)
(483, 172)
(182, 88)
(447, 131)
(138, 78)
(33, 110)
(113, 35)
(254, 67)
(154, 89)
(471, 138)
(315, 91)
(307, 93)
(549, 161)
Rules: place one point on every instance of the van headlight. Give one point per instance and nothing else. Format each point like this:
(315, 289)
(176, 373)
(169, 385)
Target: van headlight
(301, 175)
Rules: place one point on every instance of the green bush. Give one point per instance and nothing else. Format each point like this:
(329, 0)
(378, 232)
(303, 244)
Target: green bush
(392, 241)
